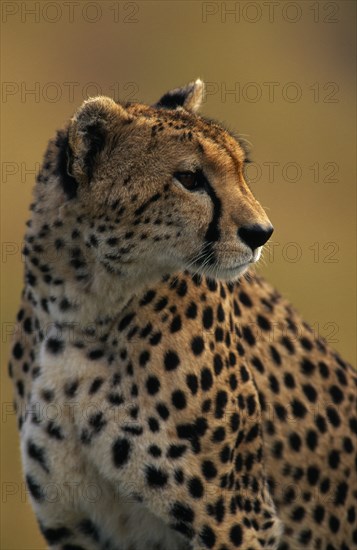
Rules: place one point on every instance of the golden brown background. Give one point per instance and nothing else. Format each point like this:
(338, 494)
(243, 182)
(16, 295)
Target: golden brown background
(281, 73)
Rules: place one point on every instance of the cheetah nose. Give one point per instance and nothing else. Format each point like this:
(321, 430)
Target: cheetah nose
(255, 235)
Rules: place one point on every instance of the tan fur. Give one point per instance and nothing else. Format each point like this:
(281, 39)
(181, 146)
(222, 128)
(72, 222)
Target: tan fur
(193, 400)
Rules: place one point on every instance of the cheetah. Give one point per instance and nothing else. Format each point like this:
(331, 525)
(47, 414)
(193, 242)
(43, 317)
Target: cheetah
(167, 397)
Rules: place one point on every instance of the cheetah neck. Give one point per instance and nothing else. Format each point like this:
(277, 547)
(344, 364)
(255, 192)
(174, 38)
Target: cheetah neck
(65, 282)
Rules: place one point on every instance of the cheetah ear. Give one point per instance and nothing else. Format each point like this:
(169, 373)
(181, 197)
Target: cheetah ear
(92, 128)
(189, 97)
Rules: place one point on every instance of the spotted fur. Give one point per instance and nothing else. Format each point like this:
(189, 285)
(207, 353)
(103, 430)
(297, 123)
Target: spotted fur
(165, 399)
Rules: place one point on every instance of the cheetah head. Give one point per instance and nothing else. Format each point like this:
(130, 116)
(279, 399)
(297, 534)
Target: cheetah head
(161, 188)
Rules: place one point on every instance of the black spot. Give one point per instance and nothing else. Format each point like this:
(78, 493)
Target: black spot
(298, 513)
(236, 535)
(310, 392)
(277, 449)
(154, 451)
(348, 445)
(88, 528)
(263, 322)
(192, 383)
(171, 360)
(305, 536)
(207, 318)
(153, 424)
(311, 440)
(313, 475)
(219, 434)
(95, 385)
(295, 442)
(148, 297)
(155, 338)
(144, 358)
(274, 384)
(248, 336)
(341, 494)
(334, 459)
(336, 394)
(217, 364)
(323, 369)
(155, 477)
(115, 399)
(163, 411)
(179, 476)
(20, 388)
(244, 374)
(334, 524)
(182, 288)
(275, 355)
(28, 325)
(234, 422)
(306, 344)
(161, 304)
(319, 514)
(253, 433)
(121, 452)
(182, 512)
(37, 454)
(95, 354)
(47, 395)
(209, 470)
(112, 241)
(298, 409)
(208, 537)
(34, 488)
(206, 379)
(54, 536)
(176, 324)
(152, 385)
(333, 416)
(176, 451)
(233, 382)
(125, 321)
(178, 399)
(321, 423)
(70, 388)
(54, 345)
(221, 402)
(133, 430)
(307, 367)
(54, 431)
(64, 305)
(220, 313)
(245, 299)
(197, 345)
(287, 343)
(97, 422)
(256, 362)
(191, 311)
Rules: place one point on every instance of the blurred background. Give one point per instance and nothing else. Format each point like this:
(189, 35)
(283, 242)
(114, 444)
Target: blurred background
(281, 73)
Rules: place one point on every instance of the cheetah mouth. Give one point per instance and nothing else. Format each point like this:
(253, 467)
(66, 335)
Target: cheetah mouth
(221, 272)
(229, 273)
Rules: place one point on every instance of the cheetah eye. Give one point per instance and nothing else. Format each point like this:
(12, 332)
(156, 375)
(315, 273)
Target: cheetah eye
(192, 181)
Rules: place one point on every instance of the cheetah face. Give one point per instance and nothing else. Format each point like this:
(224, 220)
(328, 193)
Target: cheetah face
(166, 185)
